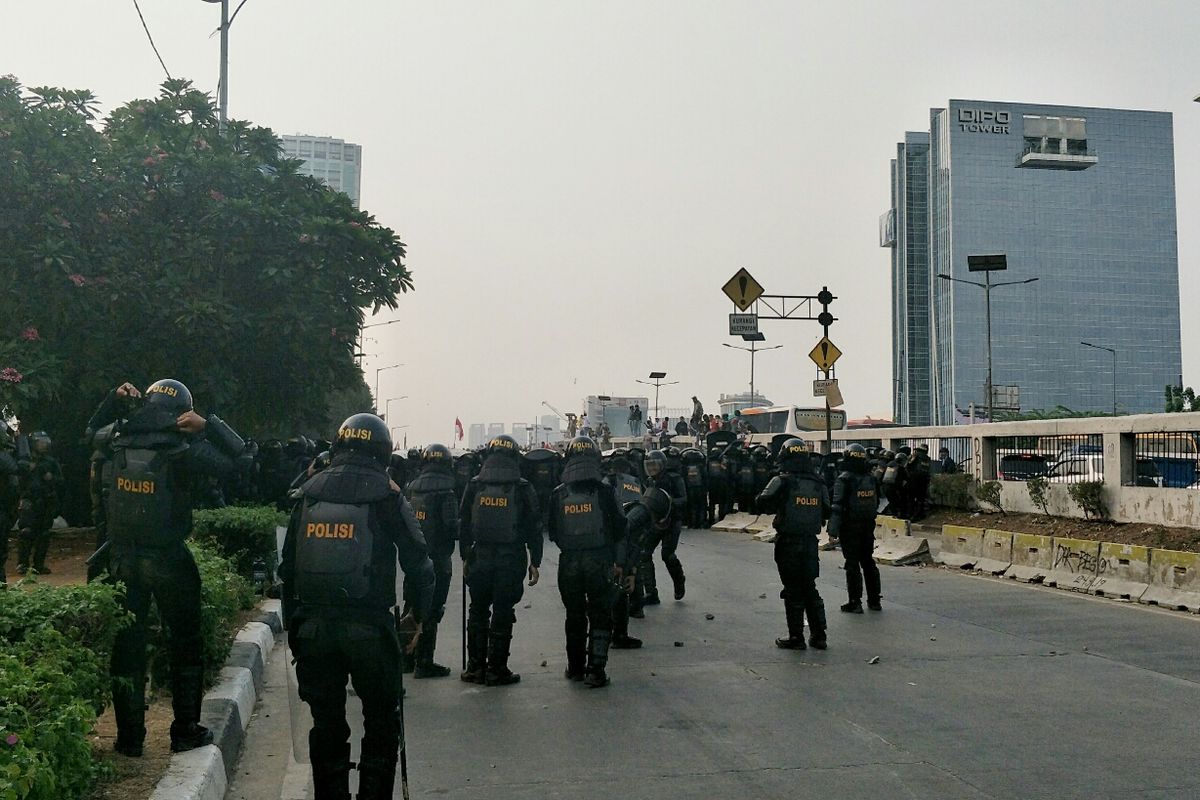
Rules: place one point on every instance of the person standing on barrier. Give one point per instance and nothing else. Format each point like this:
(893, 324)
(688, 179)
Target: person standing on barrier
(855, 499)
(500, 540)
(344, 539)
(435, 505)
(589, 528)
(160, 451)
(801, 505)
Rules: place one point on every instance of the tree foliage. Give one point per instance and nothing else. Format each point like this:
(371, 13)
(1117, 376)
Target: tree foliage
(148, 246)
(1179, 399)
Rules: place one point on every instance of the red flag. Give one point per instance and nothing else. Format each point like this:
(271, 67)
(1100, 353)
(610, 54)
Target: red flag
(458, 428)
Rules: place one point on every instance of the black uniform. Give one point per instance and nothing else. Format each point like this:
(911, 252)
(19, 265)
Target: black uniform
(41, 495)
(9, 495)
(895, 486)
(627, 490)
(695, 479)
(743, 479)
(720, 495)
(589, 528)
(665, 533)
(855, 500)
(432, 496)
(802, 506)
(339, 572)
(500, 534)
(99, 478)
(918, 484)
(155, 469)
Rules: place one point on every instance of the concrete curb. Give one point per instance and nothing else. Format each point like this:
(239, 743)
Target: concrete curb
(204, 773)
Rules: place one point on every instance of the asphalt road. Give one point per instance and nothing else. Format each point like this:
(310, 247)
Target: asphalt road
(983, 688)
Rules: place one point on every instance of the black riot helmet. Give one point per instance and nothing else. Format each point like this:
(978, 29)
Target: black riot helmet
(504, 445)
(366, 433)
(886, 455)
(321, 461)
(583, 460)
(674, 460)
(906, 450)
(793, 456)
(654, 464)
(39, 443)
(854, 458)
(170, 395)
(436, 456)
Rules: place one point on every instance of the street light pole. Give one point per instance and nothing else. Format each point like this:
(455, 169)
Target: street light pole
(987, 287)
(381, 369)
(1114, 360)
(387, 409)
(223, 89)
(657, 378)
(752, 350)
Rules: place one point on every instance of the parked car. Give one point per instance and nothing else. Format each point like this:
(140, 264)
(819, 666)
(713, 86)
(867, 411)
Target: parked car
(1022, 466)
(1077, 469)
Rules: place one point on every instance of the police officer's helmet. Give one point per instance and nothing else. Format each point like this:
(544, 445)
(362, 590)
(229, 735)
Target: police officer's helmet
(793, 456)
(436, 456)
(906, 450)
(901, 459)
(923, 449)
(654, 463)
(321, 461)
(855, 458)
(170, 395)
(886, 455)
(582, 447)
(366, 433)
(39, 442)
(504, 445)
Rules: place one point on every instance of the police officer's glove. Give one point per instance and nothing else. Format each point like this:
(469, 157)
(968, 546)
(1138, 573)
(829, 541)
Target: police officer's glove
(630, 581)
(409, 631)
(533, 575)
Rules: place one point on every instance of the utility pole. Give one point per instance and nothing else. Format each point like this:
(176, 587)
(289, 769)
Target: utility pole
(223, 88)
(752, 350)
(1113, 352)
(657, 378)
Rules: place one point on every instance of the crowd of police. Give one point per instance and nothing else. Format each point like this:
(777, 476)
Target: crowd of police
(358, 508)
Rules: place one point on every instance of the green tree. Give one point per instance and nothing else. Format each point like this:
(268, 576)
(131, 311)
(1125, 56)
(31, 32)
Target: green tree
(1179, 399)
(148, 246)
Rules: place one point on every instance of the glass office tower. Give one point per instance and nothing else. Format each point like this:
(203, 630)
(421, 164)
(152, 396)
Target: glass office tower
(1083, 199)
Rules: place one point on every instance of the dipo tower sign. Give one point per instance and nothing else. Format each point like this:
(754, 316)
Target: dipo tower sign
(982, 120)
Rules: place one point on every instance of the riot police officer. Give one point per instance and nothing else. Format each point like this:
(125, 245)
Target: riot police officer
(589, 528)
(665, 533)
(99, 477)
(160, 450)
(500, 535)
(801, 502)
(918, 482)
(855, 499)
(432, 496)
(466, 467)
(9, 494)
(895, 484)
(541, 468)
(628, 491)
(41, 493)
(720, 492)
(695, 479)
(339, 584)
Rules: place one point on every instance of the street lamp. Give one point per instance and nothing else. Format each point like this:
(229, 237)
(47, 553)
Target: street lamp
(986, 264)
(223, 89)
(382, 369)
(387, 413)
(393, 431)
(752, 350)
(656, 377)
(1114, 355)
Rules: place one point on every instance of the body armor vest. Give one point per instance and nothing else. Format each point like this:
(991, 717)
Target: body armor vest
(143, 497)
(801, 512)
(627, 488)
(494, 517)
(334, 545)
(862, 499)
(694, 476)
(580, 521)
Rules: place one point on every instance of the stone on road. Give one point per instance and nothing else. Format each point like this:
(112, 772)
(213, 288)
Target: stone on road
(1026, 692)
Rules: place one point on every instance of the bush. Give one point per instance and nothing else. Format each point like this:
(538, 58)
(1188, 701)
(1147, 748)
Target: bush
(954, 490)
(989, 492)
(240, 533)
(223, 595)
(55, 644)
(1089, 496)
(1038, 488)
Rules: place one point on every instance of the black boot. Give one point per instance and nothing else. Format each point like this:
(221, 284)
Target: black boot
(477, 643)
(41, 548)
(498, 673)
(331, 771)
(24, 550)
(795, 624)
(649, 583)
(376, 779)
(853, 607)
(576, 654)
(129, 708)
(626, 642)
(187, 692)
(675, 569)
(425, 666)
(598, 659)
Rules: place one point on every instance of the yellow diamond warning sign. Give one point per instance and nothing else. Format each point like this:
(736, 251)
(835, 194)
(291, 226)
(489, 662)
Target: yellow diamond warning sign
(742, 289)
(825, 354)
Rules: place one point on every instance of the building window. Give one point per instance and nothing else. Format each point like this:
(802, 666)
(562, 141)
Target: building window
(305, 149)
(1077, 147)
(335, 152)
(350, 154)
(320, 150)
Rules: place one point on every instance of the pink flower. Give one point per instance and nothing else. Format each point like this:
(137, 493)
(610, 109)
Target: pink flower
(12, 739)
(201, 144)
(305, 238)
(149, 161)
(355, 225)
(11, 376)
(215, 195)
(30, 334)
(77, 279)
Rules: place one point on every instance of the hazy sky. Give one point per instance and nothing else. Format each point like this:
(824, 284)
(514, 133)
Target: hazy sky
(575, 181)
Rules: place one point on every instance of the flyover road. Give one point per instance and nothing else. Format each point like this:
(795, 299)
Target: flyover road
(983, 688)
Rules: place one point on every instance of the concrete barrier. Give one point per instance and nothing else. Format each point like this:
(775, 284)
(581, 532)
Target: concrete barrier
(996, 552)
(1174, 580)
(1032, 558)
(761, 524)
(735, 523)
(1075, 564)
(961, 546)
(1124, 571)
(895, 543)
